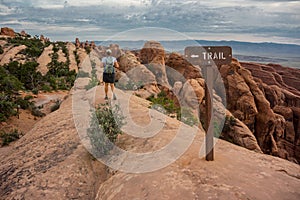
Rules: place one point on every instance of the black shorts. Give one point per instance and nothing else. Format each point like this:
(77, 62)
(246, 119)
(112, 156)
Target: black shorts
(109, 78)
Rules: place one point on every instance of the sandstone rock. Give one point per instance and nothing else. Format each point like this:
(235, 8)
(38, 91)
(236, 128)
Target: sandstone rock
(73, 64)
(286, 112)
(7, 32)
(116, 51)
(50, 162)
(192, 93)
(177, 88)
(153, 56)
(11, 54)
(186, 70)
(238, 133)
(24, 34)
(240, 100)
(147, 91)
(141, 75)
(150, 51)
(159, 71)
(128, 61)
(44, 60)
(93, 45)
(77, 43)
(244, 95)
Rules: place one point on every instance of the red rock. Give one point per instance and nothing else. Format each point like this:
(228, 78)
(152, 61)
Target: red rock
(8, 32)
(177, 62)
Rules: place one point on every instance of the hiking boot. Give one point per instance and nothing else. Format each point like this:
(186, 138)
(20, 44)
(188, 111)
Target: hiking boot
(114, 97)
(106, 98)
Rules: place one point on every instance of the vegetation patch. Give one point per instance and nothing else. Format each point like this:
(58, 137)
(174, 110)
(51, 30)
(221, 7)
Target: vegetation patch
(167, 106)
(8, 137)
(105, 127)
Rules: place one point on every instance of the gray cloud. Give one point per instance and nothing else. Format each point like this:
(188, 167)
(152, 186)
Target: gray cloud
(103, 19)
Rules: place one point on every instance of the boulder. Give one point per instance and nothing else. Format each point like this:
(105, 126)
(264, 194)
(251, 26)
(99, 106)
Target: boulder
(141, 75)
(128, 61)
(151, 50)
(153, 56)
(7, 32)
(192, 93)
(185, 69)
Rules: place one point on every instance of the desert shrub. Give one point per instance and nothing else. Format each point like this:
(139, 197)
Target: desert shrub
(46, 88)
(8, 137)
(130, 85)
(186, 116)
(83, 74)
(88, 49)
(7, 108)
(56, 106)
(36, 112)
(105, 127)
(1, 50)
(35, 91)
(23, 103)
(94, 80)
(76, 57)
(167, 106)
(165, 102)
(34, 46)
(230, 121)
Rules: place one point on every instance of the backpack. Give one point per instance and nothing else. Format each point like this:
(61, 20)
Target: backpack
(109, 65)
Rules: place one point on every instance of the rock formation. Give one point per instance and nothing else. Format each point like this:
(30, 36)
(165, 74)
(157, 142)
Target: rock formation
(7, 32)
(280, 86)
(153, 56)
(177, 62)
(252, 98)
(77, 43)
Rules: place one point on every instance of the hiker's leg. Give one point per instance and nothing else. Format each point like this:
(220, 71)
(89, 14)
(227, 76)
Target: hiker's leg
(112, 86)
(106, 89)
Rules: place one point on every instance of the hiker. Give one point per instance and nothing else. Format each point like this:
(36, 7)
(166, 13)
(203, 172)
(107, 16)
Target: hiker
(109, 63)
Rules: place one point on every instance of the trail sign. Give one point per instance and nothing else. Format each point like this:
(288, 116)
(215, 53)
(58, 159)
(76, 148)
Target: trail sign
(208, 55)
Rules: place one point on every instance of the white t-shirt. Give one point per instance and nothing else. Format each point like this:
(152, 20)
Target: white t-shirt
(104, 60)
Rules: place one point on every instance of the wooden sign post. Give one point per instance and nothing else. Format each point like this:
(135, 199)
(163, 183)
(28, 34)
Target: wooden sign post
(206, 57)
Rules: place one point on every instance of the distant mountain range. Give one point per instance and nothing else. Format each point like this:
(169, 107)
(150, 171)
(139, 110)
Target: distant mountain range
(284, 54)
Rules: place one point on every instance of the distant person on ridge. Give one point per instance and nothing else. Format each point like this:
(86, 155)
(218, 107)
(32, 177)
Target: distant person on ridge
(109, 63)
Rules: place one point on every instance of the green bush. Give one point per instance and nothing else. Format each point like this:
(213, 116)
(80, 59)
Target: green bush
(88, 49)
(7, 108)
(186, 116)
(35, 91)
(56, 106)
(37, 113)
(183, 114)
(34, 46)
(83, 74)
(9, 137)
(94, 80)
(230, 121)
(76, 57)
(46, 88)
(165, 102)
(24, 104)
(130, 85)
(1, 50)
(105, 127)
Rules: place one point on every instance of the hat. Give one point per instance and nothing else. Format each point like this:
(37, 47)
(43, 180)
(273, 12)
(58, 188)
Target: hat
(108, 51)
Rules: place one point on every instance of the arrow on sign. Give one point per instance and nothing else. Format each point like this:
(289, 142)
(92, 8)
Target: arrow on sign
(194, 56)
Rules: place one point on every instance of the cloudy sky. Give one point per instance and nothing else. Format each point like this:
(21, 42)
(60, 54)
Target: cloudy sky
(243, 20)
